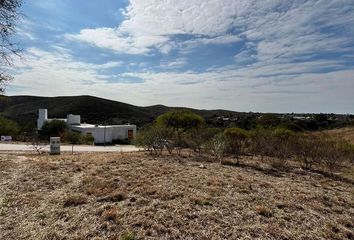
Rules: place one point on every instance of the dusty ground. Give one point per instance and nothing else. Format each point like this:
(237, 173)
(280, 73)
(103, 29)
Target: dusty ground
(122, 195)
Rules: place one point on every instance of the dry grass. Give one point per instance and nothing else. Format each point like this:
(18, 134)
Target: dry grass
(346, 133)
(74, 200)
(137, 196)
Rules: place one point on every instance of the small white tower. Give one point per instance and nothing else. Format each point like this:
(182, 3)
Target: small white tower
(73, 119)
(42, 117)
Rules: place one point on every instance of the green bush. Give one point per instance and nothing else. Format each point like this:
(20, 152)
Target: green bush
(8, 127)
(180, 119)
(54, 128)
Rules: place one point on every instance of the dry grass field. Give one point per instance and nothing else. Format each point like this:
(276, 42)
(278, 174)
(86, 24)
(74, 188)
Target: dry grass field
(138, 196)
(346, 133)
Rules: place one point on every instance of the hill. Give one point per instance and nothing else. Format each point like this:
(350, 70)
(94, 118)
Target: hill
(23, 109)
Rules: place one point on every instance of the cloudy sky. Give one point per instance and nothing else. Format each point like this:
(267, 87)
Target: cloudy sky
(243, 55)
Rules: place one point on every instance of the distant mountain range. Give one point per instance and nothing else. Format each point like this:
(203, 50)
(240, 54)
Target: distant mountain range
(24, 110)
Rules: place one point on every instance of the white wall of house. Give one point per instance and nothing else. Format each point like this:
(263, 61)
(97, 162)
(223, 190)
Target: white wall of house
(42, 117)
(101, 134)
(73, 119)
(106, 134)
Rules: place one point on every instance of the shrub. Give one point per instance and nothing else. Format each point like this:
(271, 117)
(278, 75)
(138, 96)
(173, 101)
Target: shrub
(217, 145)
(261, 142)
(269, 120)
(54, 128)
(282, 141)
(154, 138)
(74, 200)
(8, 127)
(180, 119)
(88, 139)
(196, 139)
(128, 236)
(73, 138)
(237, 141)
(308, 150)
(111, 214)
(333, 155)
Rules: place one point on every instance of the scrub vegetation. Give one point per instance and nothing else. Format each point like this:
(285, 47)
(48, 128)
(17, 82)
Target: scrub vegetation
(183, 130)
(192, 182)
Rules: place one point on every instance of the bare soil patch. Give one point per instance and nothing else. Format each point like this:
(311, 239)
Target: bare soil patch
(138, 196)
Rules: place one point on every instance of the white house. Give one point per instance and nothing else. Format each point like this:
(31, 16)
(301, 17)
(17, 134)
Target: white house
(101, 133)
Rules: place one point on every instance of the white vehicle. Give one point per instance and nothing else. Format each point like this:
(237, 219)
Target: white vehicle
(6, 138)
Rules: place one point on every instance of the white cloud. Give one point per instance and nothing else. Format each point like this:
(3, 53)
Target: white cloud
(250, 88)
(279, 29)
(277, 66)
(151, 24)
(110, 65)
(177, 63)
(113, 39)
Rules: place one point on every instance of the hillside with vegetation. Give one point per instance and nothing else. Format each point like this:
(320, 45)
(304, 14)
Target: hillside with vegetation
(24, 110)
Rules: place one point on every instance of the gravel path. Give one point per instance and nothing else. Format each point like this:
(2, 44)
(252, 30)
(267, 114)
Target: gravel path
(67, 148)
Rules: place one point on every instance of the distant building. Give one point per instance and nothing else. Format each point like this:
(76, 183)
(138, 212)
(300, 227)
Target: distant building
(100, 133)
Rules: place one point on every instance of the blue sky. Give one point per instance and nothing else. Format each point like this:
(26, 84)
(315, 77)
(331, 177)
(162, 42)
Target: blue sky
(243, 55)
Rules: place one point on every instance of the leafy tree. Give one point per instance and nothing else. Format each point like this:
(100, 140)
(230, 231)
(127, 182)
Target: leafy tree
(321, 117)
(269, 120)
(8, 127)
(180, 121)
(54, 128)
(9, 15)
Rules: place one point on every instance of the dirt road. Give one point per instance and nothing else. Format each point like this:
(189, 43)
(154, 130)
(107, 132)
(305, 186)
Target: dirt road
(67, 148)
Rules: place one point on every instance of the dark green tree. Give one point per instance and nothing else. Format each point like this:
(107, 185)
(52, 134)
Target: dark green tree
(180, 121)
(53, 128)
(8, 127)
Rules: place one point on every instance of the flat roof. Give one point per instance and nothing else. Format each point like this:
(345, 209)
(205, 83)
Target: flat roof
(85, 125)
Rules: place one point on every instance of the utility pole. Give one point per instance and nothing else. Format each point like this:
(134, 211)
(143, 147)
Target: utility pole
(104, 135)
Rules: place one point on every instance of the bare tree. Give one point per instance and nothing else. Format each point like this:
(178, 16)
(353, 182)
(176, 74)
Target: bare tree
(9, 15)
(35, 143)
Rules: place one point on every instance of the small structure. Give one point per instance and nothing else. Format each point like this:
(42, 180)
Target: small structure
(106, 133)
(43, 117)
(54, 146)
(102, 134)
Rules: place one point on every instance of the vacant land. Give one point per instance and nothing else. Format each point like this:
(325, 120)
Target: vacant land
(346, 133)
(138, 196)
